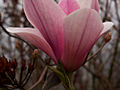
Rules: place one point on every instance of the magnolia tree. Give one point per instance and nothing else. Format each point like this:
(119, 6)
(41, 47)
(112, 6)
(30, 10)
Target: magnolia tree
(47, 44)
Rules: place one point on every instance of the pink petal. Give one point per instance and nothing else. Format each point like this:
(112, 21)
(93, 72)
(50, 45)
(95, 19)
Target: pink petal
(81, 29)
(34, 37)
(69, 6)
(47, 17)
(107, 26)
(89, 4)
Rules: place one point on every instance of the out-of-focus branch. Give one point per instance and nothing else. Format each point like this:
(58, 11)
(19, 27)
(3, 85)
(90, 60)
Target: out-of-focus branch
(100, 77)
(116, 7)
(116, 44)
(114, 58)
(29, 73)
(106, 11)
(40, 79)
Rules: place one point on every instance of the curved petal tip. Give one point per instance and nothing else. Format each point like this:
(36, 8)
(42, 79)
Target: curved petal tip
(107, 26)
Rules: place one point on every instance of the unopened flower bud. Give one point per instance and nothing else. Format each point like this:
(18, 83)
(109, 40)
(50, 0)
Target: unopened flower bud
(108, 37)
(35, 51)
(35, 54)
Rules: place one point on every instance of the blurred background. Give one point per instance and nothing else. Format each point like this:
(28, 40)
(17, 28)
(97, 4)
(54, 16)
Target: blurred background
(101, 73)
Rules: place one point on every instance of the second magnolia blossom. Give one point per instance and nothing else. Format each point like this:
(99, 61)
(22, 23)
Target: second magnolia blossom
(65, 31)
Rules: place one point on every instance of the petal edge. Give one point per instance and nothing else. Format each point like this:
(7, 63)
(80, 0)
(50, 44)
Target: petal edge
(34, 37)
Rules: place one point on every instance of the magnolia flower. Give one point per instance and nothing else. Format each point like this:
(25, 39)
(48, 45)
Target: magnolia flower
(65, 31)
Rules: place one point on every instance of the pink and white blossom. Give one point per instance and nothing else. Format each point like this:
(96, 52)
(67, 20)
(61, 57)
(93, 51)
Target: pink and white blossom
(65, 31)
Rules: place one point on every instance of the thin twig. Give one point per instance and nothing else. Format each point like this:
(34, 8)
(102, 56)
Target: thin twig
(14, 84)
(12, 81)
(89, 58)
(40, 79)
(26, 79)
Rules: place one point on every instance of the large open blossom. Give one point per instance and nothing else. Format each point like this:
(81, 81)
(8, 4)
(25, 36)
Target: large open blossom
(65, 31)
